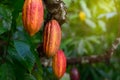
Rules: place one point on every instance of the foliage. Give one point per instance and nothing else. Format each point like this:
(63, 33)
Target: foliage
(80, 37)
(92, 36)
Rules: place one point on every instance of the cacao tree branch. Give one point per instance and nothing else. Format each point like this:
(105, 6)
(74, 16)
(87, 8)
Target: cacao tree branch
(57, 10)
(95, 58)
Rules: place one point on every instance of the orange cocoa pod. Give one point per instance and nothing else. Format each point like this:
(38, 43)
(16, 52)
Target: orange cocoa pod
(32, 16)
(51, 38)
(59, 64)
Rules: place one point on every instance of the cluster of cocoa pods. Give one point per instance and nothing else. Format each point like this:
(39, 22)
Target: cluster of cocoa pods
(33, 17)
(51, 43)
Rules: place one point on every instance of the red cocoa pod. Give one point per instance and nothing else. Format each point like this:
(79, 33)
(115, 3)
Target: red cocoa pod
(59, 64)
(32, 16)
(74, 74)
(51, 38)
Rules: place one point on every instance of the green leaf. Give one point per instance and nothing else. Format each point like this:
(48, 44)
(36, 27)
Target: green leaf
(66, 76)
(89, 47)
(18, 5)
(29, 77)
(17, 9)
(81, 47)
(102, 73)
(67, 2)
(107, 15)
(95, 76)
(6, 72)
(102, 25)
(90, 23)
(66, 42)
(5, 19)
(2, 30)
(94, 39)
(37, 73)
(24, 55)
(85, 8)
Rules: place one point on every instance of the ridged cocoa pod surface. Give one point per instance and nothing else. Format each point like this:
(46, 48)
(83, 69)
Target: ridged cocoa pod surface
(51, 38)
(32, 16)
(59, 64)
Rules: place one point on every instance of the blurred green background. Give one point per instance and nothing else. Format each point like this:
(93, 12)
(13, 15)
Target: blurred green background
(90, 29)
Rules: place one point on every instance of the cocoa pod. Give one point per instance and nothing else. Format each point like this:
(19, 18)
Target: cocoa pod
(32, 16)
(74, 74)
(59, 64)
(51, 38)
